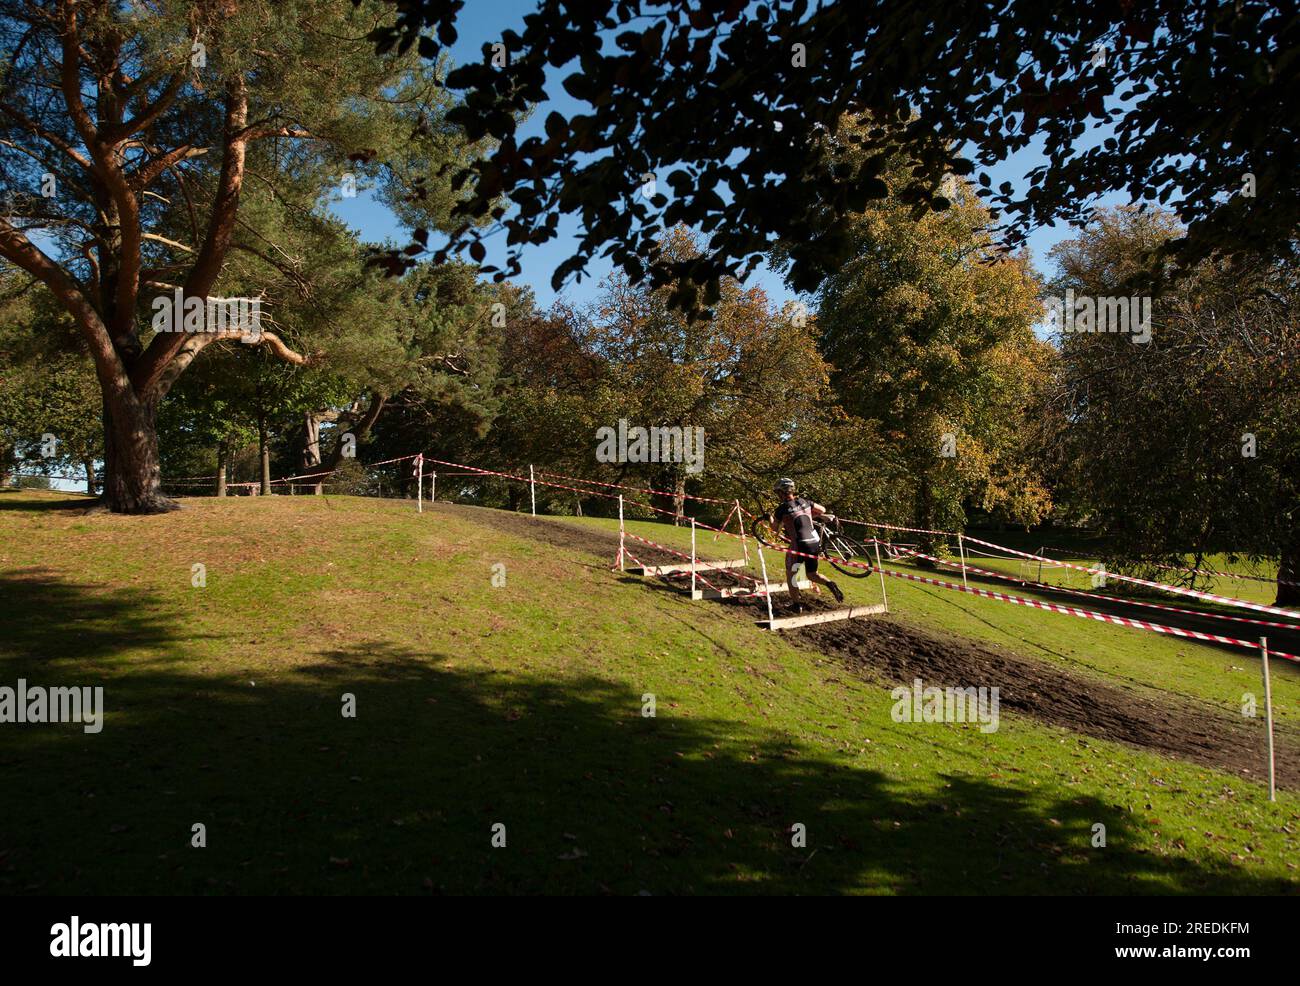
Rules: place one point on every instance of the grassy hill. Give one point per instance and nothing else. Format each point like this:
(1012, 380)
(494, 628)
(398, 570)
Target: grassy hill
(521, 704)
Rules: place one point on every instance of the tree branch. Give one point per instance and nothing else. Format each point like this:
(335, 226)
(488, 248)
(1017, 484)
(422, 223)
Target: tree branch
(221, 225)
(147, 173)
(149, 114)
(18, 250)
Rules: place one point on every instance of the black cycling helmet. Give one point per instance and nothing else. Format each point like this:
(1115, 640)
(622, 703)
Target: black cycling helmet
(783, 486)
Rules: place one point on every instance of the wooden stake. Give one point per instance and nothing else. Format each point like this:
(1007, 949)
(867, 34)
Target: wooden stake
(433, 486)
(961, 548)
(880, 570)
(419, 484)
(1268, 716)
(762, 562)
(693, 556)
(620, 532)
(532, 489)
(740, 522)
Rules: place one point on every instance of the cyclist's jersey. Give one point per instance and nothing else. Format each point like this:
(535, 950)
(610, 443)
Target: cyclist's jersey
(796, 516)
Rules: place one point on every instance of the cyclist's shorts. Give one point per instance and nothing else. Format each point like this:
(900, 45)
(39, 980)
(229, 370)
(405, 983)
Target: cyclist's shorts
(808, 548)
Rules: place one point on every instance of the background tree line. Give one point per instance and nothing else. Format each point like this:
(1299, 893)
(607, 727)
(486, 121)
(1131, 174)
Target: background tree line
(197, 146)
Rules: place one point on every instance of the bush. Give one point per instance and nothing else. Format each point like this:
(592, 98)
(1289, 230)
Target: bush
(350, 479)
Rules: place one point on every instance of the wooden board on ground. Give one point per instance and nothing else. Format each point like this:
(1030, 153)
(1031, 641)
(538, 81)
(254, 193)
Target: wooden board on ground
(853, 612)
(700, 566)
(742, 591)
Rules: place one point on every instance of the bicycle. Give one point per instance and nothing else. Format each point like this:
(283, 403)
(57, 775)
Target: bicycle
(836, 547)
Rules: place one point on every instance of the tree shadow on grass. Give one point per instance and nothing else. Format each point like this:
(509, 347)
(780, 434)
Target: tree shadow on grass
(67, 503)
(48, 620)
(296, 798)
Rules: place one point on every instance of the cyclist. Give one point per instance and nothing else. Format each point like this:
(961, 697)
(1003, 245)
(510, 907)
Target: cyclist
(795, 515)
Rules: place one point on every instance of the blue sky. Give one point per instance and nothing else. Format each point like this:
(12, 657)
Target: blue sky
(482, 23)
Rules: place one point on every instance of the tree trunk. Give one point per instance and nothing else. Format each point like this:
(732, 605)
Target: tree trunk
(89, 465)
(924, 514)
(264, 450)
(132, 474)
(223, 460)
(1288, 571)
(310, 441)
(311, 457)
(359, 429)
(672, 496)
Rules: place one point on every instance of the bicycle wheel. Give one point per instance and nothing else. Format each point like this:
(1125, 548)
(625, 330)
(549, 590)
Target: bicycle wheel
(766, 534)
(840, 550)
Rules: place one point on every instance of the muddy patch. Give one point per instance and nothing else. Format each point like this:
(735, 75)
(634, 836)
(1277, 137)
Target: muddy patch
(885, 651)
(892, 653)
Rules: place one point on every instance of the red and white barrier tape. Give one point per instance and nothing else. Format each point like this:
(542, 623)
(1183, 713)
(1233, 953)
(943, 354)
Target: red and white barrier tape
(671, 551)
(680, 554)
(1179, 590)
(1205, 571)
(52, 475)
(185, 480)
(1067, 610)
(1211, 597)
(1227, 575)
(330, 472)
(1091, 614)
(626, 554)
(474, 470)
(894, 527)
(635, 489)
(1051, 607)
(573, 489)
(1048, 587)
(995, 557)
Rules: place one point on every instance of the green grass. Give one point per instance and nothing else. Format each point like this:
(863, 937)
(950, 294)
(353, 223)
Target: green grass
(1141, 659)
(522, 705)
(1088, 551)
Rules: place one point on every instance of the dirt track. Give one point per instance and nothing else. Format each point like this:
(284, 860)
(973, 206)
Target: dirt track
(884, 650)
